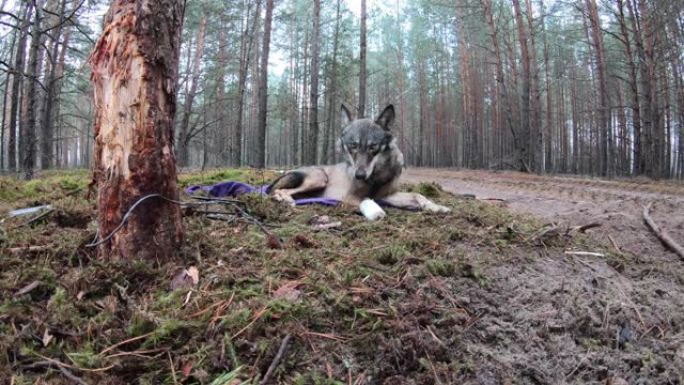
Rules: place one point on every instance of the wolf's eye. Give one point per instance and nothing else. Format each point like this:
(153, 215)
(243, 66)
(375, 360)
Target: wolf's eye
(373, 148)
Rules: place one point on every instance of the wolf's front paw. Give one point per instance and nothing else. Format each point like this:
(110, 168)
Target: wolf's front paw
(435, 208)
(281, 196)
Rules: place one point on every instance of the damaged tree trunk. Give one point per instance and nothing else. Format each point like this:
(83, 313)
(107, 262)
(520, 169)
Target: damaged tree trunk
(134, 70)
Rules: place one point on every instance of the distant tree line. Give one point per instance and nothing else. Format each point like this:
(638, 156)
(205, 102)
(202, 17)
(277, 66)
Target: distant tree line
(586, 87)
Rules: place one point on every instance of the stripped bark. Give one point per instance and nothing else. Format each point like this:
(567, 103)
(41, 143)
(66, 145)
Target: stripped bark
(134, 71)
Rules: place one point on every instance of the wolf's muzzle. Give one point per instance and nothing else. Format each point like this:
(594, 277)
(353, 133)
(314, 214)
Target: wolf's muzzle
(360, 174)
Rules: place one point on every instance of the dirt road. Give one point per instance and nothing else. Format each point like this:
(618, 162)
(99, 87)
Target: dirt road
(617, 205)
(593, 302)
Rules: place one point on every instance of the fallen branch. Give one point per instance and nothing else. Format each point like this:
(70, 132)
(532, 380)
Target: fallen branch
(661, 234)
(584, 228)
(585, 253)
(71, 376)
(615, 245)
(125, 342)
(276, 360)
(28, 249)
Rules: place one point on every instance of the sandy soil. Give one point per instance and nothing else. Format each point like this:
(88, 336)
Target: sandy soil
(563, 320)
(617, 205)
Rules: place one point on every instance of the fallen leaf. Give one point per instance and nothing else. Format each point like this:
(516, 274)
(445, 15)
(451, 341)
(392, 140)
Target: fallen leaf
(47, 337)
(304, 242)
(288, 291)
(185, 279)
(186, 369)
(273, 242)
(328, 226)
(320, 220)
(194, 274)
(80, 295)
(323, 222)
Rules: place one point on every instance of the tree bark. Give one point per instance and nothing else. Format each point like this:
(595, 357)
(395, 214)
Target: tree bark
(362, 63)
(330, 132)
(191, 91)
(6, 94)
(536, 134)
(246, 44)
(525, 132)
(17, 81)
(312, 153)
(634, 87)
(263, 89)
(47, 152)
(605, 136)
(134, 71)
(28, 131)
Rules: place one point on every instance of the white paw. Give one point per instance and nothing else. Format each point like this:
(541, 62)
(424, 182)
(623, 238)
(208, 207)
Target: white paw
(281, 196)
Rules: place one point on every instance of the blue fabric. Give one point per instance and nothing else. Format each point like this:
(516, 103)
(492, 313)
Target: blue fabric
(234, 189)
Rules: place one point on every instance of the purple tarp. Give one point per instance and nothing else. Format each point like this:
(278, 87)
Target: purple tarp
(233, 189)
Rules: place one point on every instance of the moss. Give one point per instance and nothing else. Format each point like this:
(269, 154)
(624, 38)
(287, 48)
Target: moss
(359, 286)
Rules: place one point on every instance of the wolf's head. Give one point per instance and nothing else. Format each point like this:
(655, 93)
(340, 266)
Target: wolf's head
(364, 141)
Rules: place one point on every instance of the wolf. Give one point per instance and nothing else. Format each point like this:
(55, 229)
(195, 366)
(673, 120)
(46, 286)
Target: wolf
(371, 169)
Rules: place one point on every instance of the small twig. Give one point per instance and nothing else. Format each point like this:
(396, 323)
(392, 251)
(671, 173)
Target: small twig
(125, 342)
(615, 245)
(584, 228)
(71, 376)
(28, 249)
(662, 235)
(62, 364)
(256, 317)
(173, 369)
(276, 360)
(324, 335)
(137, 353)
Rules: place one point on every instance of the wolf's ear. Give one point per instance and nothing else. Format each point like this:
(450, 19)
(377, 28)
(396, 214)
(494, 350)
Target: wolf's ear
(345, 116)
(386, 117)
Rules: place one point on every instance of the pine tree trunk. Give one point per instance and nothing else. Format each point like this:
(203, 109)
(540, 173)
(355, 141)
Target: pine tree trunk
(185, 134)
(634, 87)
(263, 89)
(246, 43)
(28, 131)
(134, 71)
(525, 132)
(605, 137)
(362, 63)
(330, 132)
(312, 153)
(17, 82)
(59, 72)
(6, 94)
(536, 135)
(47, 152)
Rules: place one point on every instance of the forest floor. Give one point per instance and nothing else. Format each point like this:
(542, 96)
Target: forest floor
(487, 294)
